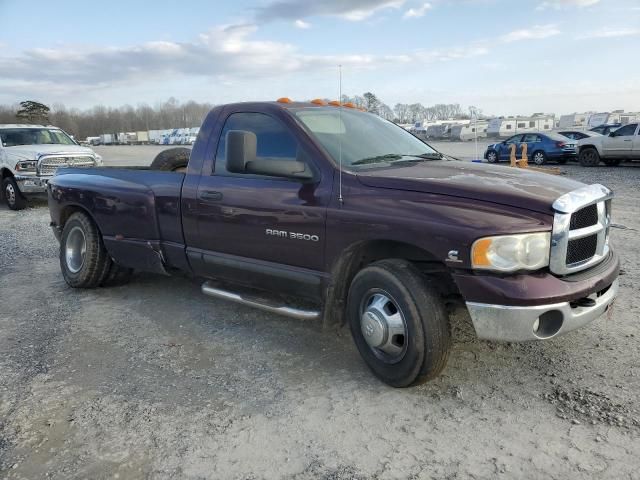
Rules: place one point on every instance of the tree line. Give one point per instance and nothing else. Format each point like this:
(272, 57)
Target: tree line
(174, 114)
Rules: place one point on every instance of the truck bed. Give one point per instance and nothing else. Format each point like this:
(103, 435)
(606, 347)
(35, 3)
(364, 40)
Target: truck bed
(133, 207)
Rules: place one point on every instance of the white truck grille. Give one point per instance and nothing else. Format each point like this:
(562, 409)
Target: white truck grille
(48, 165)
(580, 237)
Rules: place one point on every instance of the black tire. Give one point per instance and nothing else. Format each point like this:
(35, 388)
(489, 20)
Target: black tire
(88, 270)
(612, 162)
(426, 342)
(539, 157)
(12, 195)
(589, 157)
(117, 276)
(492, 156)
(172, 159)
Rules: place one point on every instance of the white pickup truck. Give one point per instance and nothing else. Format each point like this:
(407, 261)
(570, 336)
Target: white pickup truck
(620, 145)
(30, 156)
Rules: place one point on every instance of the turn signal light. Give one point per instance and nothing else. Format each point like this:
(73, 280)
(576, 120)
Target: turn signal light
(480, 250)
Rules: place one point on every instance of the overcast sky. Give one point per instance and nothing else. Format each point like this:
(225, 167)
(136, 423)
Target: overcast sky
(506, 57)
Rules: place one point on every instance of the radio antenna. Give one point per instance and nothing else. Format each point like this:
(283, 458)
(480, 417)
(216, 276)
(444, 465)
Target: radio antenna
(339, 135)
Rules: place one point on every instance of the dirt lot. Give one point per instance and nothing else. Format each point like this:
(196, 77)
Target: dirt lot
(155, 380)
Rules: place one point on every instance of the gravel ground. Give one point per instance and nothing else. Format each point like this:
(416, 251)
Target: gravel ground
(154, 380)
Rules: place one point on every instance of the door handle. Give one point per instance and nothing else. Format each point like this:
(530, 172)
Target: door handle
(210, 196)
(628, 140)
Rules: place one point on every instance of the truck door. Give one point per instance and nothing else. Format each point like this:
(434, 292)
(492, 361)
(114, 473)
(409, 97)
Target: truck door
(260, 227)
(619, 143)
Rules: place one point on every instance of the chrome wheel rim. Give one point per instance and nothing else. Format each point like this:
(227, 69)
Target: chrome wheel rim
(10, 194)
(491, 157)
(538, 159)
(75, 249)
(383, 326)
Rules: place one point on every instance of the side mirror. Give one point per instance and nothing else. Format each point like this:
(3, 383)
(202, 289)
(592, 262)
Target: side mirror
(280, 168)
(612, 134)
(241, 149)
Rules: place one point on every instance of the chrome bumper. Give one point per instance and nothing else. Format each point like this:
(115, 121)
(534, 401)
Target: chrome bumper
(517, 324)
(30, 184)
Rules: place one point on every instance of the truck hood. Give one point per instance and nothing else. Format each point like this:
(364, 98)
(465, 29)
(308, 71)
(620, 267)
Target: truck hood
(33, 152)
(488, 183)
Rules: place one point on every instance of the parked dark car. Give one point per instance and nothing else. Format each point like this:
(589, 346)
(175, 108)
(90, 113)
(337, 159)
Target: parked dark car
(541, 147)
(606, 128)
(282, 201)
(577, 134)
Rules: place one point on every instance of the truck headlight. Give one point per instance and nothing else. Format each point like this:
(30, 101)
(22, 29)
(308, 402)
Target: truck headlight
(508, 253)
(26, 166)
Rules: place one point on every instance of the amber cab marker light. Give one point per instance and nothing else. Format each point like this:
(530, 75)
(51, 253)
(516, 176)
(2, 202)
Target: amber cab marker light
(349, 105)
(334, 103)
(318, 101)
(284, 100)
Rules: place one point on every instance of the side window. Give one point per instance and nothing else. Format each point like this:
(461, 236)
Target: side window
(532, 124)
(274, 141)
(626, 130)
(508, 126)
(514, 139)
(531, 138)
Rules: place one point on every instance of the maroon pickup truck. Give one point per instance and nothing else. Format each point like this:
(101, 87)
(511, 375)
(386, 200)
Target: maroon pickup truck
(319, 211)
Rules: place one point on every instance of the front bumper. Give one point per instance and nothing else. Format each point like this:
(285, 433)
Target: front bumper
(537, 322)
(32, 184)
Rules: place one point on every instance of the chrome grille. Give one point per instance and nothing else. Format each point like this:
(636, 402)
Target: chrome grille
(580, 237)
(581, 249)
(585, 217)
(49, 165)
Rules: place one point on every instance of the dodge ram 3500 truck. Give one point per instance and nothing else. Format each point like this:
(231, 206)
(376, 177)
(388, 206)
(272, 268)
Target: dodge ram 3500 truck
(285, 200)
(30, 155)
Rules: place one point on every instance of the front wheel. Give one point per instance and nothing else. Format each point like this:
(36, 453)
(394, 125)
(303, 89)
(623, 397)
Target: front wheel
(589, 157)
(12, 195)
(399, 323)
(492, 156)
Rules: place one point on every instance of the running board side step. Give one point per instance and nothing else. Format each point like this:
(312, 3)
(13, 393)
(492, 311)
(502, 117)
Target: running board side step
(259, 303)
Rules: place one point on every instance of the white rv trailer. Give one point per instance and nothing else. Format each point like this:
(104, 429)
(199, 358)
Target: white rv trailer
(507, 126)
(617, 116)
(574, 120)
(467, 132)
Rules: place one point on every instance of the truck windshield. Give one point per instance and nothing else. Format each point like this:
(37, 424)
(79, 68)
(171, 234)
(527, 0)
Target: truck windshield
(12, 137)
(363, 139)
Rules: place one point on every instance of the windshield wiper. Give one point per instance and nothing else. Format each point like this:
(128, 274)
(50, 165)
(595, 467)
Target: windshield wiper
(377, 158)
(396, 157)
(430, 156)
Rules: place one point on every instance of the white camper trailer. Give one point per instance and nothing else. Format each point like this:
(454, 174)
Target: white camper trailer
(507, 126)
(468, 132)
(574, 120)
